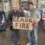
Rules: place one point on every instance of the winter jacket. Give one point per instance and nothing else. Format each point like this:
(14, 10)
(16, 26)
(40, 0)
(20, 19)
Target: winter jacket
(16, 14)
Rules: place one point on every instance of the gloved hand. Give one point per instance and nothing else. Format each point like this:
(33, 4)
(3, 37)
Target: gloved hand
(33, 22)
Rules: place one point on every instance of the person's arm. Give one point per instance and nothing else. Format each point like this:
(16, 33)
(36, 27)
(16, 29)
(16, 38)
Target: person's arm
(9, 18)
(37, 16)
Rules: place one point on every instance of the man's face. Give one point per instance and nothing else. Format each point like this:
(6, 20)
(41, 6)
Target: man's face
(14, 8)
(30, 6)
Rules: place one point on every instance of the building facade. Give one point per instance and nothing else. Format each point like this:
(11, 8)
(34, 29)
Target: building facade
(7, 4)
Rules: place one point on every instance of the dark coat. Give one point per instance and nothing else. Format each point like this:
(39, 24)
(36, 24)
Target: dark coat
(12, 13)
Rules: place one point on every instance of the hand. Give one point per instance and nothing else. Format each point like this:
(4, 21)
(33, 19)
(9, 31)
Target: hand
(33, 22)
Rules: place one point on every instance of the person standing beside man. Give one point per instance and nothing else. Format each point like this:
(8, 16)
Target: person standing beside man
(35, 15)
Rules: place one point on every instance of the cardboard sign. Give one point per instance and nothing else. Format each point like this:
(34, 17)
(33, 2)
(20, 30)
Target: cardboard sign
(23, 23)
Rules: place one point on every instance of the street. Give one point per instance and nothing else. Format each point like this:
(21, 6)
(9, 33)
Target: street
(5, 38)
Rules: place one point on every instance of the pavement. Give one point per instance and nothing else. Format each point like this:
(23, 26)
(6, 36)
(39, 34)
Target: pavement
(5, 37)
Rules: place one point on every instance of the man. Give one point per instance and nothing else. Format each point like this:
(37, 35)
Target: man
(15, 32)
(35, 15)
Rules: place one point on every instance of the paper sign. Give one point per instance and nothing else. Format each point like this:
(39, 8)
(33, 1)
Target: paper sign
(23, 23)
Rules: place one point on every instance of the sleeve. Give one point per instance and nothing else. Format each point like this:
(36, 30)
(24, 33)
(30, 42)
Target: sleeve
(9, 18)
(38, 15)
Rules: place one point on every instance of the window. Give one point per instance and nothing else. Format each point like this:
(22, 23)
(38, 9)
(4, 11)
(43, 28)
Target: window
(7, 6)
(24, 3)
